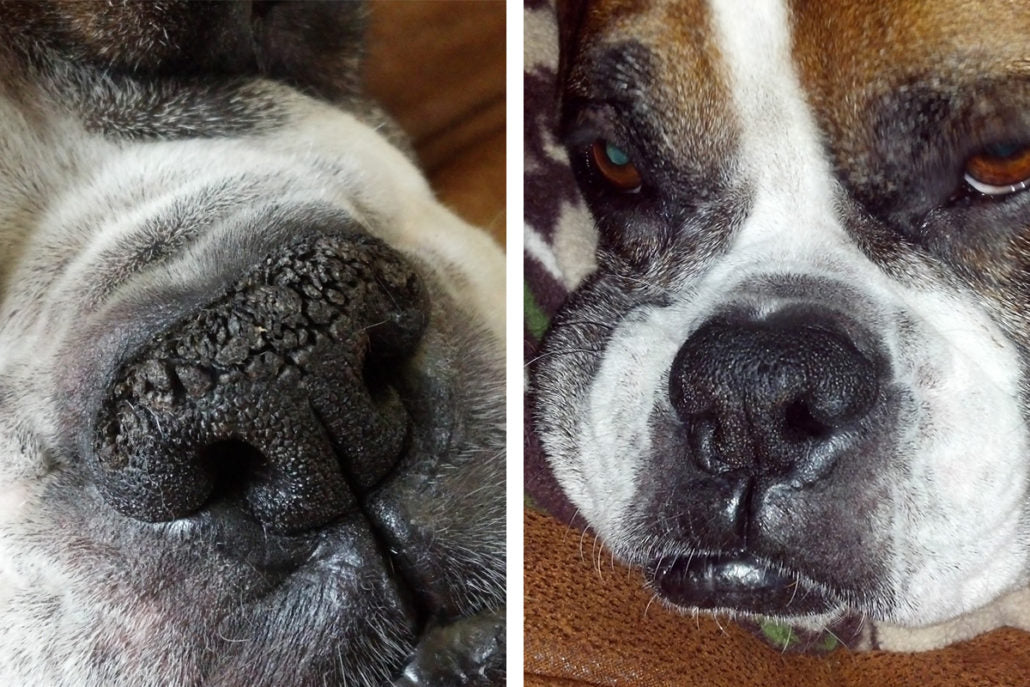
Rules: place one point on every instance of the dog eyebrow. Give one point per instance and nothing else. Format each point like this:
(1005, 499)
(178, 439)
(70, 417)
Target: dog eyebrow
(618, 80)
(626, 69)
(956, 117)
(979, 104)
(624, 78)
(617, 74)
(906, 142)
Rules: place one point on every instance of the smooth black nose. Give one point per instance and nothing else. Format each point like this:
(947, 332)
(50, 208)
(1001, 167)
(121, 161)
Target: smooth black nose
(779, 395)
(279, 396)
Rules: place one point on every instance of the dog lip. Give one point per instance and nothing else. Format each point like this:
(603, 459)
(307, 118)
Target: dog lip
(282, 556)
(287, 559)
(471, 649)
(737, 581)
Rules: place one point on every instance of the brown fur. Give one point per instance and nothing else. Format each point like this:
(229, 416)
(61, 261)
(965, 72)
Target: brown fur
(681, 72)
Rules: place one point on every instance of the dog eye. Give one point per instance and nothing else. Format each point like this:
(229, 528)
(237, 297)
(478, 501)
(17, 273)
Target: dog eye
(612, 163)
(999, 170)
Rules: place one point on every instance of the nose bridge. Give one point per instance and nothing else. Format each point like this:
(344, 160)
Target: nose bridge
(780, 153)
(801, 234)
(790, 249)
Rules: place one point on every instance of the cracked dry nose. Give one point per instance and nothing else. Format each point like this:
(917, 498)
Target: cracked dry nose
(276, 396)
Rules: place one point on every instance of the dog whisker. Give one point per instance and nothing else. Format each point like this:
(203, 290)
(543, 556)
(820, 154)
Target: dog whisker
(569, 351)
(650, 601)
(586, 323)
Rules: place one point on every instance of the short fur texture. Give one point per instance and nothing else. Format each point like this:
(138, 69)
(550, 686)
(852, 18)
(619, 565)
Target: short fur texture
(774, 182)
(152, 159)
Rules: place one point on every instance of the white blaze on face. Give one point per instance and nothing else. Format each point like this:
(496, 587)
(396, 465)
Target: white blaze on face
(780, 151)
(968, 440)
(955, 523)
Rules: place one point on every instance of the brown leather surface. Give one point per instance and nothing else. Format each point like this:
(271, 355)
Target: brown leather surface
(438, 67)
(590, 623)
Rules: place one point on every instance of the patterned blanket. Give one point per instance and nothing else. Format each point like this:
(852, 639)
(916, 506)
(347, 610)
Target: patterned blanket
(559, 236)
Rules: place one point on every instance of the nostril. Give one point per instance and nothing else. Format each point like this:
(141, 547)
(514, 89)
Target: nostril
(234, 464)
(799, 424)
(376, 375)
(399, 332)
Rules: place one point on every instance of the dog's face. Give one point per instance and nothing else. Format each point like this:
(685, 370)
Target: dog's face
(797, 383)
(251, 396)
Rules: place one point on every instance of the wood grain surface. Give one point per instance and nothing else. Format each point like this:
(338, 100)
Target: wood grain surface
(438, 67)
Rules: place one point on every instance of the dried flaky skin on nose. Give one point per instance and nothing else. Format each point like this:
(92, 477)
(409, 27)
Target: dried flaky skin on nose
(277, 389)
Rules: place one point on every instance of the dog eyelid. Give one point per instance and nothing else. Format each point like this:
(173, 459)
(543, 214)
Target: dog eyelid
(615, 166)
(999, 170)
(990, 190)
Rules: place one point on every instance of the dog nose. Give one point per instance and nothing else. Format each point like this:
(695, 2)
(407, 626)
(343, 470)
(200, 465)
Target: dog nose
(281, 396)
(780, 395)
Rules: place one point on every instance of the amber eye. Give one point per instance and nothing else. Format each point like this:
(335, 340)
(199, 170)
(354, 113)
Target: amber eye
(999, 169)
(614, 165)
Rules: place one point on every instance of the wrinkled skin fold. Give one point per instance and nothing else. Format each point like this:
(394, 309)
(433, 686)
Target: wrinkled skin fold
(251, 371)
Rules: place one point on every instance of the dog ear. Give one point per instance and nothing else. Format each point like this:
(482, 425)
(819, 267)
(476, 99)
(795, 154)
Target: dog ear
(315, 46)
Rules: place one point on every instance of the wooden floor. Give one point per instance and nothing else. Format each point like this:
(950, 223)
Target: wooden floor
(439, 68)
